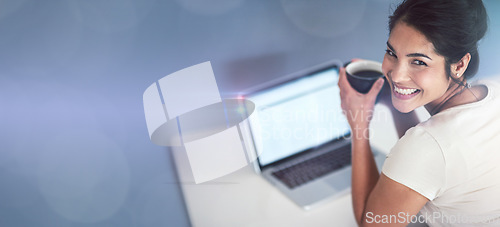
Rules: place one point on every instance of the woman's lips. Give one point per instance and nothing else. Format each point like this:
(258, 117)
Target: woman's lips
(404, 93)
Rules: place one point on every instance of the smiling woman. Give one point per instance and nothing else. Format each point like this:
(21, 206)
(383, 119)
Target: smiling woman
(446, 167)
(415, 70)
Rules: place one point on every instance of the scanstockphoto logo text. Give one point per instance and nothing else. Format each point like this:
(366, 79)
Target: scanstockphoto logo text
(429, 218)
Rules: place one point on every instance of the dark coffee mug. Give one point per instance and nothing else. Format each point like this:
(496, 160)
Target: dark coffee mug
(363, 74)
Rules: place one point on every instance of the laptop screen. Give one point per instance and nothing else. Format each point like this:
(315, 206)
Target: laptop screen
(297, 115)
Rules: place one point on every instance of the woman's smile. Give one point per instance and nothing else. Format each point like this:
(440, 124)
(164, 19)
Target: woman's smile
(405, 93)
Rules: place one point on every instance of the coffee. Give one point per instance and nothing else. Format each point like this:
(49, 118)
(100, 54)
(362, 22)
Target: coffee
(367, 74)
(362, 74)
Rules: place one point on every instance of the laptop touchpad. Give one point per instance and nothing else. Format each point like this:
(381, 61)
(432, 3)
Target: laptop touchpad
(340, 180)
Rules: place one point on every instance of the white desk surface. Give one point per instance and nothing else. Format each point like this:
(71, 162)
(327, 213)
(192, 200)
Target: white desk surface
(244, 198)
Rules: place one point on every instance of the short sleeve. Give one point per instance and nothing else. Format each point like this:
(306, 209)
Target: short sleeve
(417, 162)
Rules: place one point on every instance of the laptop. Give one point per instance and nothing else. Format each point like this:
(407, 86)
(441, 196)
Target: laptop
(301, 137)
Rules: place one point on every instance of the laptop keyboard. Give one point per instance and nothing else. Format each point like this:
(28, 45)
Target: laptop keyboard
(310, 169)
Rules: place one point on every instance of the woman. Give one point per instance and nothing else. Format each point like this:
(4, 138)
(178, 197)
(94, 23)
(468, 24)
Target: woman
(447, 167)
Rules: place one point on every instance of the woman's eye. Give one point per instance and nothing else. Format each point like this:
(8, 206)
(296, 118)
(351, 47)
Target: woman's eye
(418, 62)
(390, 53)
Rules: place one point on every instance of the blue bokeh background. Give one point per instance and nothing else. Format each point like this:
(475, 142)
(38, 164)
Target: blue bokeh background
(74, 147)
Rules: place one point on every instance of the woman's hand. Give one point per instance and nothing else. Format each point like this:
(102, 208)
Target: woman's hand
(357, 107)
(384, 96)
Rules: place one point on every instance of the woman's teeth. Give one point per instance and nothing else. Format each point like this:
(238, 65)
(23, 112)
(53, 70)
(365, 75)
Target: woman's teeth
(405, 91)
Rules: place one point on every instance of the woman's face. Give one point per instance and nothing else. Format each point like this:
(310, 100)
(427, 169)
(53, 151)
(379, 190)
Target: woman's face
(416, 73)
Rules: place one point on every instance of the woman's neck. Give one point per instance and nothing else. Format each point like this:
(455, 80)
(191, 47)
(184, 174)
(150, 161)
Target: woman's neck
(457, 95)
(443, 103)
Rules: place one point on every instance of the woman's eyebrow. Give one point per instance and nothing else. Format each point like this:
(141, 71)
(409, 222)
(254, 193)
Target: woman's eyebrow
(409, 55)
(390, 47)
(418, 55)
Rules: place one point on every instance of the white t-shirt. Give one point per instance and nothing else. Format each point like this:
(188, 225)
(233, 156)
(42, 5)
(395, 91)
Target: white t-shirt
(453, 159)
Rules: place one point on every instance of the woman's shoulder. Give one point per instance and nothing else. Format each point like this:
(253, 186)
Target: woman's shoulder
(487, 103)
(491, 85)
(417, 135)
(464, 120)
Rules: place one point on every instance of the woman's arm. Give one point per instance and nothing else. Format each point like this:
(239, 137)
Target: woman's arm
(391, 204)
(371, 192)
(364, 174)
(358, 109)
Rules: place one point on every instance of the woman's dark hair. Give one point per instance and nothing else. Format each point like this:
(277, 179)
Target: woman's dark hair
(454, 27)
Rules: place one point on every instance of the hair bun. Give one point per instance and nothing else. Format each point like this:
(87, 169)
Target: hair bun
(480, 18)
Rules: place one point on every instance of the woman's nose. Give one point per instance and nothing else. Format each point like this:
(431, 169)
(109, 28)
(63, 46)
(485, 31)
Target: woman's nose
(399, 74)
